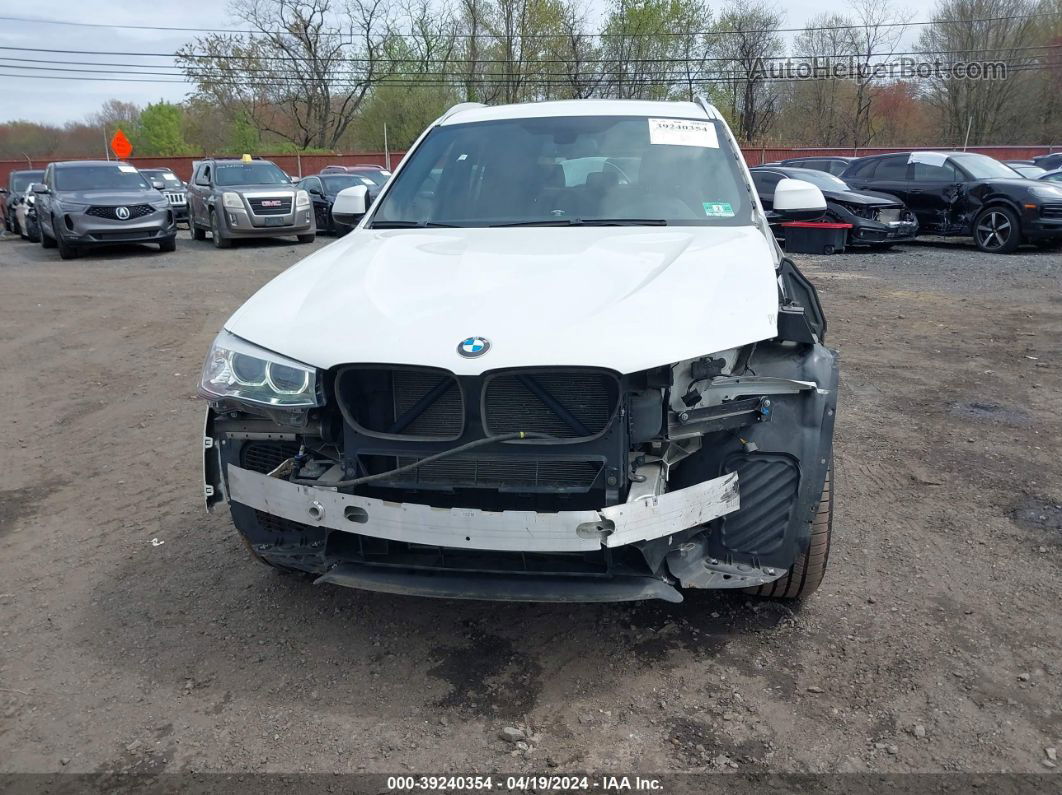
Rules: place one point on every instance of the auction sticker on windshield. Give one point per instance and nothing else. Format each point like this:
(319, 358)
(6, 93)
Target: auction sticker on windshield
(683, 132)
(718, 209)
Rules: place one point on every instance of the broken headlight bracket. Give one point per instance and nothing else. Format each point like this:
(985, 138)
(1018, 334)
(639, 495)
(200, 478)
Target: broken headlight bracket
(726, 416)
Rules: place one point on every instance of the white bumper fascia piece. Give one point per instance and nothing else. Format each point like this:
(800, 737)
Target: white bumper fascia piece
(464, 528)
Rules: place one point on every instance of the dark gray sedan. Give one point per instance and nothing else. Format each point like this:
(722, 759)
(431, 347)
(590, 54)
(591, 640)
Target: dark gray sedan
(89, 203)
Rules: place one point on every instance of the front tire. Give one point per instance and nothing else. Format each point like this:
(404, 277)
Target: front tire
(220, 241)
(66, 251)
(46, 241)
(168, 243)
(996, 230)
(806, 573)
(307, 238)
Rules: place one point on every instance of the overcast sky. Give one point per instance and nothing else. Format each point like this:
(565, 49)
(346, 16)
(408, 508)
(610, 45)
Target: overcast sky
(58, 101)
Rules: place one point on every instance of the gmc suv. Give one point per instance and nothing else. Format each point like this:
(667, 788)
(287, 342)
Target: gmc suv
(246, 197)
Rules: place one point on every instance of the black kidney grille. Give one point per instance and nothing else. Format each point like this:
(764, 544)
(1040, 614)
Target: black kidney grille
(528, 472)
(111, 213)
(266, 456)
(443, 416)
(402, 401)
(565, 404)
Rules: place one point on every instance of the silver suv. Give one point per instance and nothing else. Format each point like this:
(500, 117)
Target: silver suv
(89, 203)
(246, 197)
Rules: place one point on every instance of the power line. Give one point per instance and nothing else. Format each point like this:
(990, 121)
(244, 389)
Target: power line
(585, 61)
(336, 31)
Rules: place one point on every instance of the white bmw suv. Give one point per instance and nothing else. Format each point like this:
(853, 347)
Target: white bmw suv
(560, 358)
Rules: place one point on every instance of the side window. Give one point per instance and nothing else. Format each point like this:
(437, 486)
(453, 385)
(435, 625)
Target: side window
(311, 183)
(923, 172)
(836, 167)
(765, 181)
(861, 169)
(892, 168)
(203, 177)
(48, 176)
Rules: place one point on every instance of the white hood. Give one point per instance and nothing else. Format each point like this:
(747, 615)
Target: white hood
(625, 298)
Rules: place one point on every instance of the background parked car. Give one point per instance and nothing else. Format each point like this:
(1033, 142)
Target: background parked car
(26, 217)
(246, 197)
(323, 189)
(1051, 176)
(1026, 168)
(877, 219)
(18, 183)
(1049, 162)
(967, 195)
(831, 165)
(88, 203)
(173, 188)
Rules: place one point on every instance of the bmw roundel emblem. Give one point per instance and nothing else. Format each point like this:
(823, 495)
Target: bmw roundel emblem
(122, 213)
(473, 347)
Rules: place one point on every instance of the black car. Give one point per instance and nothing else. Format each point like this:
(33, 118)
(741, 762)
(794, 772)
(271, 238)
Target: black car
(877, 219)
(963, 194)
(1026, 169)
(14, 194)
(1049, 162)
(830, 164)
(324, 187)
(173, 188)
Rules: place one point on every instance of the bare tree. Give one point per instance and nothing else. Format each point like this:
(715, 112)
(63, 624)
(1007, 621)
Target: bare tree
(302, 75)
(748, 39)
(981, 30)
(873, 40)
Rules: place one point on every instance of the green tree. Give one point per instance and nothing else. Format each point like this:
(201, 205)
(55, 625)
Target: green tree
(244, 135)
(160, 130)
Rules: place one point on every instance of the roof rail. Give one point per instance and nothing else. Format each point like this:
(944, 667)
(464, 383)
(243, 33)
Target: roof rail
(458, 108)
(707, 107)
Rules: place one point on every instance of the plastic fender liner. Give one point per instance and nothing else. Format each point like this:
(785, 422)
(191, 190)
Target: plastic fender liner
(802, 430)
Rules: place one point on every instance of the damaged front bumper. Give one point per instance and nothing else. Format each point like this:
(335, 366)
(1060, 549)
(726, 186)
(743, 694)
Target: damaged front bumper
(735, 514)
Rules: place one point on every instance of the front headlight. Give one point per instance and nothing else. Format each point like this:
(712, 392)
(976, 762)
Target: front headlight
(232, 200)
(1046, 192)
(302, 199)
(237, 370)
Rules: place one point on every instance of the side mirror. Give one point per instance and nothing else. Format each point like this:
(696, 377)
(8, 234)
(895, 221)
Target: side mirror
(39, 187)
(350, 204)
(4, 191)
(797, 200)
(158, 184)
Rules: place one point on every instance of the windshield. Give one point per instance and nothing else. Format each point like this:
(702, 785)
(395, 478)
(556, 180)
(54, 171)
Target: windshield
(984, 167)
(249, 174)
(166, 176)
(21, 180)
(570, 170)
(334, 184)
(100, 178)
(1032, 172)
(819, 179)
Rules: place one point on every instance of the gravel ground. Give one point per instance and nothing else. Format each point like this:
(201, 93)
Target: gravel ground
(933, 645)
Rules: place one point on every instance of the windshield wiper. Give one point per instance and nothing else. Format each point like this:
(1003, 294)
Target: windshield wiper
(590, 222)
(411, 225)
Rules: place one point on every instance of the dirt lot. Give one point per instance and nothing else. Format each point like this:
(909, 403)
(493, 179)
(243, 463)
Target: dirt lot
(933, 645)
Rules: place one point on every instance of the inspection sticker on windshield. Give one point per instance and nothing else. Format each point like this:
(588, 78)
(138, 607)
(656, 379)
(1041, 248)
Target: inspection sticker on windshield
(127, 169)
(683, 132)
(718, 210)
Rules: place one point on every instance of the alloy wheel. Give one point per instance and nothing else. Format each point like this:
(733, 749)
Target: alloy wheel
(994, 230)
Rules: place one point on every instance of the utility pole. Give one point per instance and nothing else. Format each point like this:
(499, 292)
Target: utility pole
(106, 149)
(387, 151)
